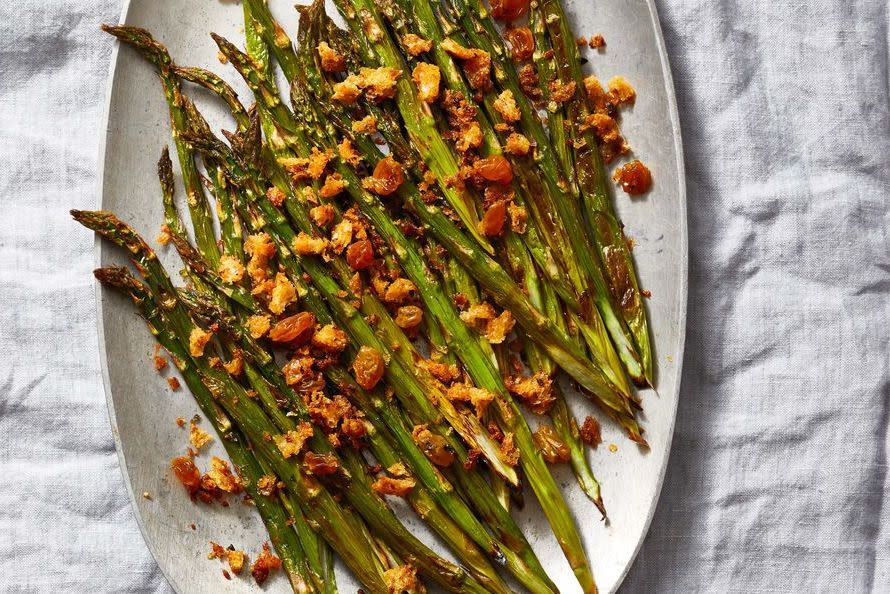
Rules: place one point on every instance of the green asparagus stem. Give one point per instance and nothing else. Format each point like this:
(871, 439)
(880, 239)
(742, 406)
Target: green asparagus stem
(198, 206)
(599, 213)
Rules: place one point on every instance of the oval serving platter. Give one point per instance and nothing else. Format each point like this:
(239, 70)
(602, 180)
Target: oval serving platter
(143, 409)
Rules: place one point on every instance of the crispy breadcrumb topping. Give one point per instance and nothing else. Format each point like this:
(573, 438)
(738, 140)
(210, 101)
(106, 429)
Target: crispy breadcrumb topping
(330, 339)
(231, 270)
(307, 245)
(427, 77)
(476, 62)
(366, 125)
(265, 563)
(416, 45)
(283, 294)
(198, 339)
(348, 153)
(536, 392)
(591, 433)
(509, 451)
(258, 325)
(334, 184)
(331, 61)
(290, 443)
(402, 578)
(479, 398)
(322, 215)
(518, 144)
(197, 436)
(505, 105)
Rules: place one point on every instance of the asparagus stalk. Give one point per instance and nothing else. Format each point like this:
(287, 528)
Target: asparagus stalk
(369, 505)
(599, 214)
(198, 206)
(480, 367)
(292, 554)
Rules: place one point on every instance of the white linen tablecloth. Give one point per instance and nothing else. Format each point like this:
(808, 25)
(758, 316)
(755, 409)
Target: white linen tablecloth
(779, 465)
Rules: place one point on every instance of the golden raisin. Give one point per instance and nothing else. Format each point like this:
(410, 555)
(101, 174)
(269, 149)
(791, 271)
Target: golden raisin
(508, 10)
(634, 178)
(368, 367)
(388, 176)
(293, 329)
(493, 220)
(494, 169)
(321, 464)
(409, 316)
(522, 44)
(187, 473)
(360, 255)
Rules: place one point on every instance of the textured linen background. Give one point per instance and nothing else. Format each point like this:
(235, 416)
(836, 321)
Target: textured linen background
(779, 465)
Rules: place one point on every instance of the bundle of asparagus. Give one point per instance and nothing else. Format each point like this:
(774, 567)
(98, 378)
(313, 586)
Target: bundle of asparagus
(426, 254)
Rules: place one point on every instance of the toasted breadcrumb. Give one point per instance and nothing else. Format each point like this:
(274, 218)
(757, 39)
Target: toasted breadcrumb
(347, 91)
(322, 215)
(198, 339)
(265, 563)
(509, 451)
(173, 383)
(402, 578)
(597, 42)
(400, 290)
(290, 443)
(283, 294)
(444, 372)
(505, 105)
(221, 476)
(560, 91)
(536, 392)
(341, 236)
(480, 398)
(470, 137)
(260, 249)
(236, 560)
(275, 196)
(476, 62)
(180, 422)
(306, 245)
(595, 93)
(267, 485)
(379, 83)
(331, 61)
(517, 144)
(366, 125)
(518, 218)
(330, 338)
(160, 363)
(334, 184)
(258, 325)
(318, 161)
(393, 486)
(427, 77)
(498, 329)
(591, 433)
(416, 45)
(348, 153)
(231, 270)
(234, 366)
(197, 436)
(621, 92)
(163, 237)
(480, 312)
